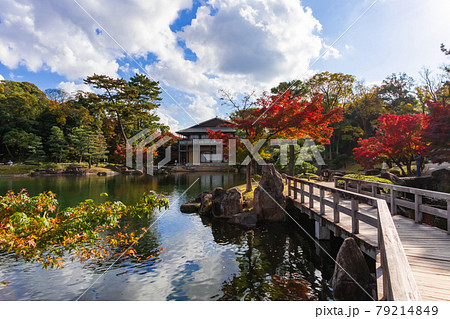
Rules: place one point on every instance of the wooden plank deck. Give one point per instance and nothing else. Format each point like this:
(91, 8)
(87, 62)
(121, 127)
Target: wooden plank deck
(426, 247)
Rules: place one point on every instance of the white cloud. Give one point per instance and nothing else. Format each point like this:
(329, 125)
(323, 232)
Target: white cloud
(244, 45)
(167, 119)
(60, 37)
(331, 52)
(72, 87)
(240, 45)
(1, 78)
(202, 107)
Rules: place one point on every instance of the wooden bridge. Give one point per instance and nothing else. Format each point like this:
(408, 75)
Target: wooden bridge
(413, 259)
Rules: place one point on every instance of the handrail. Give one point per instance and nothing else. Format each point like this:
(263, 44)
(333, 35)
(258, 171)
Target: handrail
(406, 189)
(417, 205)
(398, 280)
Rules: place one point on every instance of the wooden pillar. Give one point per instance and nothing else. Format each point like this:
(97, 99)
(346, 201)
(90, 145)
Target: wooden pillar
(289, 187)
(393, 206)
(322, 206)
(336, 218)
(295, 189)
(417, 213)
(374, 191)
(448, 216)
(311, 192)
(355, 222)
(302, 194)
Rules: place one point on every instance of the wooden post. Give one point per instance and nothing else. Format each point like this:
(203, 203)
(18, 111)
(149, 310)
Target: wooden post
(374, 191)
(393, 207)
(345, 184)
(335, 182)
(358, 187)
(335, 207)
(417, 213)
(289, 187)
(302, 194)
(311, 192)
(448, 216)
(322, 206)
(295, 189)
(355, 222)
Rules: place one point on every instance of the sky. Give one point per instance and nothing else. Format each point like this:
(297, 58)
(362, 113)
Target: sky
(195, 48)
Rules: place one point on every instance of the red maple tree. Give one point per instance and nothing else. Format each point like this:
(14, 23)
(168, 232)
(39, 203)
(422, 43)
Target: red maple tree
(282, 116)
(399, 139)
(438, 132)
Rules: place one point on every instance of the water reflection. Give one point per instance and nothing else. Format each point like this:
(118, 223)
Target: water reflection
(182, 257)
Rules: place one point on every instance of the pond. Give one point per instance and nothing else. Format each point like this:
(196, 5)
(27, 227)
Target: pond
(189, 257)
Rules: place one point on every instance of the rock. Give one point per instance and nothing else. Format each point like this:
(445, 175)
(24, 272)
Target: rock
(101, 174)
(392, 177)
(268, 207)
(373, 172)
(226, 203)
(441, 180)
(205, 204)
(352, 260)
(75, 170)
(133, 172)
(247, 220)
(190, 208)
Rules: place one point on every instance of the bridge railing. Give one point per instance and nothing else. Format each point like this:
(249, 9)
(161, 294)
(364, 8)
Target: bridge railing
(398, 280)
(401, 196)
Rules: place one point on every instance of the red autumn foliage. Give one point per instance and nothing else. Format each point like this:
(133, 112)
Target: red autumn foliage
(399, 139)
(438, 132)
(286, 116)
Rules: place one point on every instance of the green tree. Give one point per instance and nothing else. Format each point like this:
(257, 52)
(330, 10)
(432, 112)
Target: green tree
(57, 145)
(35, 148)
(131, 103)
(18, 142)
(80, 142)
(397, 92)
(97, 149)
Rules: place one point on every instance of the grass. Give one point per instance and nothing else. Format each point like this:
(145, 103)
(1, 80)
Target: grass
(16, 169)
(30, 168)
(368, 178)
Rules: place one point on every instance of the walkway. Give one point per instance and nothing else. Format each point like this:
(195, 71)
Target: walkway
(426, 247)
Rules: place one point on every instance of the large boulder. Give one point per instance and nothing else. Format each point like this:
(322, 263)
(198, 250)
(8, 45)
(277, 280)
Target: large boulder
(269, 196)
(246, 220)
(226, 203)
(190, 208)
(205, 201)
(351, 266)
(441, 180)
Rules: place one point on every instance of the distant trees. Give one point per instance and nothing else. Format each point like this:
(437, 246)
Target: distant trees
(86, 126)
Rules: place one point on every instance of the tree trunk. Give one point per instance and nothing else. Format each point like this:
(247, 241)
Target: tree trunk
(291, 160)
(249, 176)
(9, 152)
(90, 163)
(119, 120)
(408, 167)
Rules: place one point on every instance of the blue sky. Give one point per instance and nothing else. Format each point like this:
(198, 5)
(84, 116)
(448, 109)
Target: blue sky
(195, 48)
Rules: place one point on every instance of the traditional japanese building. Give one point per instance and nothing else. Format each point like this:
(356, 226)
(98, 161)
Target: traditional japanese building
(199, 131)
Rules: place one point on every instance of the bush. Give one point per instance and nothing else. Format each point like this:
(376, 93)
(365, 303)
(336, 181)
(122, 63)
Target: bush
(368, 178)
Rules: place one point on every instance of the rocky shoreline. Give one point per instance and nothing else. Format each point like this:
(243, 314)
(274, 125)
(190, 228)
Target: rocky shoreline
(266, 204)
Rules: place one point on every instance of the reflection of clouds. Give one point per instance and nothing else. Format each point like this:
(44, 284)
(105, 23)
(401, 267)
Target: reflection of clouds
(191, 264)
(31, 282)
